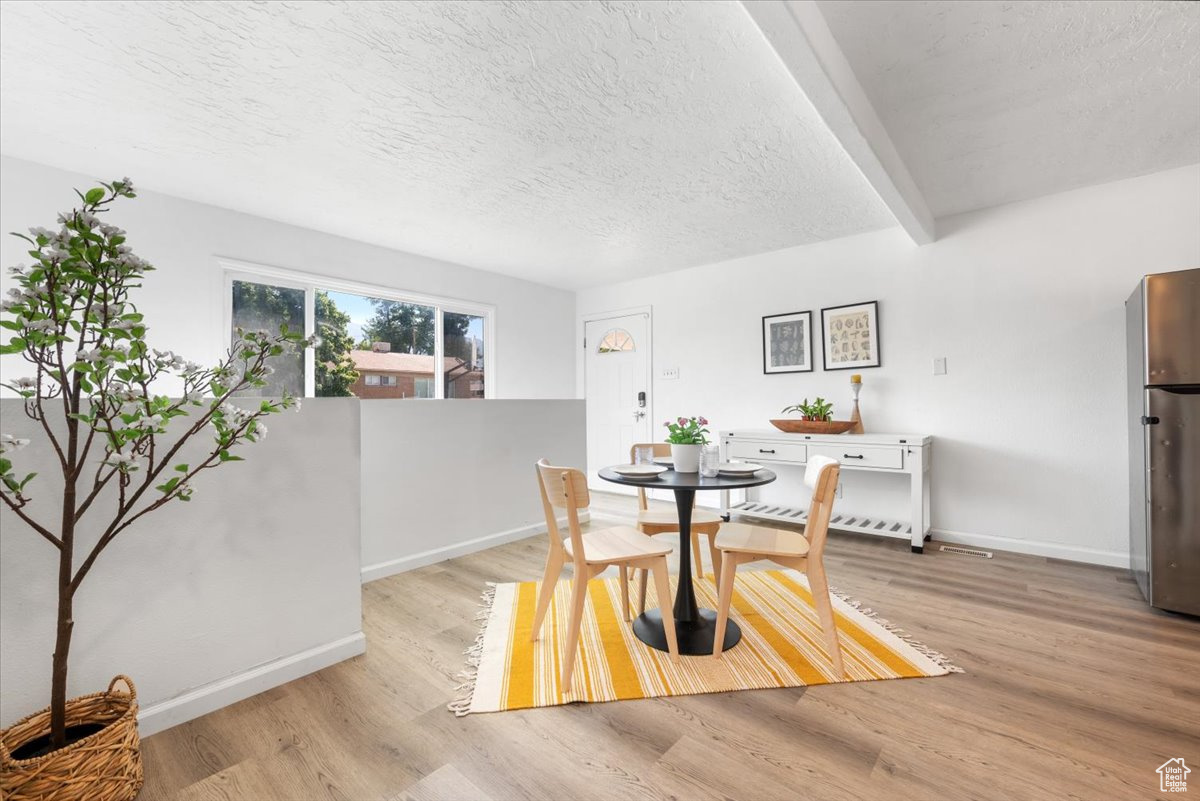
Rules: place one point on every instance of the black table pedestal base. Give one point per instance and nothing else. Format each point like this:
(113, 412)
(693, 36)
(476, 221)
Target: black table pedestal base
(695, 639)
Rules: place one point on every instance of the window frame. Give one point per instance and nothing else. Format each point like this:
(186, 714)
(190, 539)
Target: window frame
(236, 270)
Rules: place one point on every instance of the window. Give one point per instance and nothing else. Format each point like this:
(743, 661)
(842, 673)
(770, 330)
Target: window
(399, 345)
(265, 307)
(616, 340)
(462, 344)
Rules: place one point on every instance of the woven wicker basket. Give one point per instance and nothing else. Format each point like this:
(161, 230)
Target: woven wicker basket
(105, 766)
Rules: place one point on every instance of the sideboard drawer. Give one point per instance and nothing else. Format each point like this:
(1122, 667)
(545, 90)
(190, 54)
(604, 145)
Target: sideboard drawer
(750, 451)
(861, 455)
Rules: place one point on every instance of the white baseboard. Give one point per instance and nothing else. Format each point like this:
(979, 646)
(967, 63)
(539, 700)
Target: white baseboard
(221, 693)
(1053, 550)
(433, 556)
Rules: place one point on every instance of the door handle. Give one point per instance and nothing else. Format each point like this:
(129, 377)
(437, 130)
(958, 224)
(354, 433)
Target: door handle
(638, 414)
(1149, 421)
(763, 450)
(848, 456)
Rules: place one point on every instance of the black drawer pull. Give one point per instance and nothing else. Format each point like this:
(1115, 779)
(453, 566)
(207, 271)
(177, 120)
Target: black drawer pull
(762, 450)
(848, 456)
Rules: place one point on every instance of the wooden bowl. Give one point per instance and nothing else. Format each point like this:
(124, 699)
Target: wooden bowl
(793, 426)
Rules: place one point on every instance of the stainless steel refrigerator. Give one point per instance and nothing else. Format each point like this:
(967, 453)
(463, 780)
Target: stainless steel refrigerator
(1163, 329)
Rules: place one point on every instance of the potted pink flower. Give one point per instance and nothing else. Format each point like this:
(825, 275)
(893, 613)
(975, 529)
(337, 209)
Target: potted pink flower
(686, 435)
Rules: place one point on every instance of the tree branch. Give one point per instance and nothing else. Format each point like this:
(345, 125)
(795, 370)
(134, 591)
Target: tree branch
(38, 527)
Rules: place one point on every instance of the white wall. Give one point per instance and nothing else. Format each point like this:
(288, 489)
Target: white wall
(251, 584)
(451, 477)
(1026, 303)
(184, 299)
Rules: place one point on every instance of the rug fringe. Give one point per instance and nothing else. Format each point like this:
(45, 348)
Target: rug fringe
(937, 657)
(461, 705)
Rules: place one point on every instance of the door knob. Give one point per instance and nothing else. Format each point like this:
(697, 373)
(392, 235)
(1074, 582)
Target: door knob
(639, 414)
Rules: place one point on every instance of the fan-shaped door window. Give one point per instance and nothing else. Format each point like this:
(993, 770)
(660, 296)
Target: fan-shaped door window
(616, 340)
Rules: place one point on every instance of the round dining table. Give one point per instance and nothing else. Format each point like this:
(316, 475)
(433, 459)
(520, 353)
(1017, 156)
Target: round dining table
(695, 627)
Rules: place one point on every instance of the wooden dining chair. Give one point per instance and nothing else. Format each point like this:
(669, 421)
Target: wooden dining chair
(592, 553)
(739, 543)
(662, 521)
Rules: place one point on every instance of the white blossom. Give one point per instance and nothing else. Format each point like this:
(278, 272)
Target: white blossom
(40, 325)
(39, 231)
(17, 270)
(9, 443)
(260, 430)
(122, 461)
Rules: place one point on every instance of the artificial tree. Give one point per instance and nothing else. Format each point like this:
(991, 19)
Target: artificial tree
(93, 392)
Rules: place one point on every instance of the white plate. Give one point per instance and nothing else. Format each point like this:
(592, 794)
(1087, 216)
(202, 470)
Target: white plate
(640, 470)
(739, 468)
(667, 460)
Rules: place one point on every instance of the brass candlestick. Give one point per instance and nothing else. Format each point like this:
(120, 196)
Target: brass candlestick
(855, 417)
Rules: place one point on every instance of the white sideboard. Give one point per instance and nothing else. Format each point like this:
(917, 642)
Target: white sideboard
(909, 455)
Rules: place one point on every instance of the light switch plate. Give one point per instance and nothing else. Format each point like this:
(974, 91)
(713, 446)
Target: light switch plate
(669, 373)
(939, 365)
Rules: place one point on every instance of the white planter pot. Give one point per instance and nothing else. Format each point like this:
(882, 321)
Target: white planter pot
(686, 458)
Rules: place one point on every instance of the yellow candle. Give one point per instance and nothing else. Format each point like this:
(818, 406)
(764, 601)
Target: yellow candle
(856, 379)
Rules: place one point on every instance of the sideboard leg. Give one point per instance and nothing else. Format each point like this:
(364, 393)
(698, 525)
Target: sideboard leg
(918, 549)
(918, 506)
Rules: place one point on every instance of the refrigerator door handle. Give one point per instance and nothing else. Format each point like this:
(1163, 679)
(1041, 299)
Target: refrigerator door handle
(1149, 421)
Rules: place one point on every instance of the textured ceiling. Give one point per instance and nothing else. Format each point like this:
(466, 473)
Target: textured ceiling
(570, 143)
(990, 102)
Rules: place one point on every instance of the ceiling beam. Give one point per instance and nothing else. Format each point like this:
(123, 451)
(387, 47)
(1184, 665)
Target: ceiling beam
(798, 33)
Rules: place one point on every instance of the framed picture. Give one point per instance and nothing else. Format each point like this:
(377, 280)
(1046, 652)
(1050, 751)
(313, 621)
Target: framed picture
(787, 343)
(851, 336)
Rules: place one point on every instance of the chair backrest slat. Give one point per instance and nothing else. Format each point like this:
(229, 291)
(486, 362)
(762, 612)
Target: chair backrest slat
(660, 449)
(820, 510)
(563, 488)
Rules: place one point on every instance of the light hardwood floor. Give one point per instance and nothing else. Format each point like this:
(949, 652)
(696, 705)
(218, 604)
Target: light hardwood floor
(1073, 689)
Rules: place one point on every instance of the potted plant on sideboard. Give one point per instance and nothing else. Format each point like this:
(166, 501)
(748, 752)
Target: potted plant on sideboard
(117, 445)
(686, 435)
(816, 418)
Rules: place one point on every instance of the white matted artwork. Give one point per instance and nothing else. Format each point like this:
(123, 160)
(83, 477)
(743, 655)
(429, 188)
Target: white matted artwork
(851, 336)
(787, 343)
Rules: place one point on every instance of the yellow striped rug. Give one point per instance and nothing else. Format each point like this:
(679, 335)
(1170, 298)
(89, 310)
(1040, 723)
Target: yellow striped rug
(781, 646)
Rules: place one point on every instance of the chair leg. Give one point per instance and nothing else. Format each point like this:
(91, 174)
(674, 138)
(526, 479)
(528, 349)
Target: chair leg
(728, 569)
(554, 566)
(571, 652)
(697, 563)
(662, 588)
(715, 555)
(625, 592)
(642, 591)
(820, 594)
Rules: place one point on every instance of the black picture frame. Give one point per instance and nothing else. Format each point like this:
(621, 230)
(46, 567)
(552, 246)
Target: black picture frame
(829, 337)
(794, 329)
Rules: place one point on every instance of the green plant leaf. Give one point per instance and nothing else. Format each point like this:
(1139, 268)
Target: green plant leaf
(94, 196)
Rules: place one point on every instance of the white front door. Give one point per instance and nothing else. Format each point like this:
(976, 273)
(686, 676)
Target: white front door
(618, 391)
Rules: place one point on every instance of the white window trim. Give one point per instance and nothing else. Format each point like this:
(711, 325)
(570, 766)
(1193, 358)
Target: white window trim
(236, 270)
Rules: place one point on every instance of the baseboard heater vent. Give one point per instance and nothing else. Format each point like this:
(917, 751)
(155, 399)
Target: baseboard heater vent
(967, 551)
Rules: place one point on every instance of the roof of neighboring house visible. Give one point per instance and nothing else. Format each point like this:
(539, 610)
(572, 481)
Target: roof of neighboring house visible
(371, 361)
